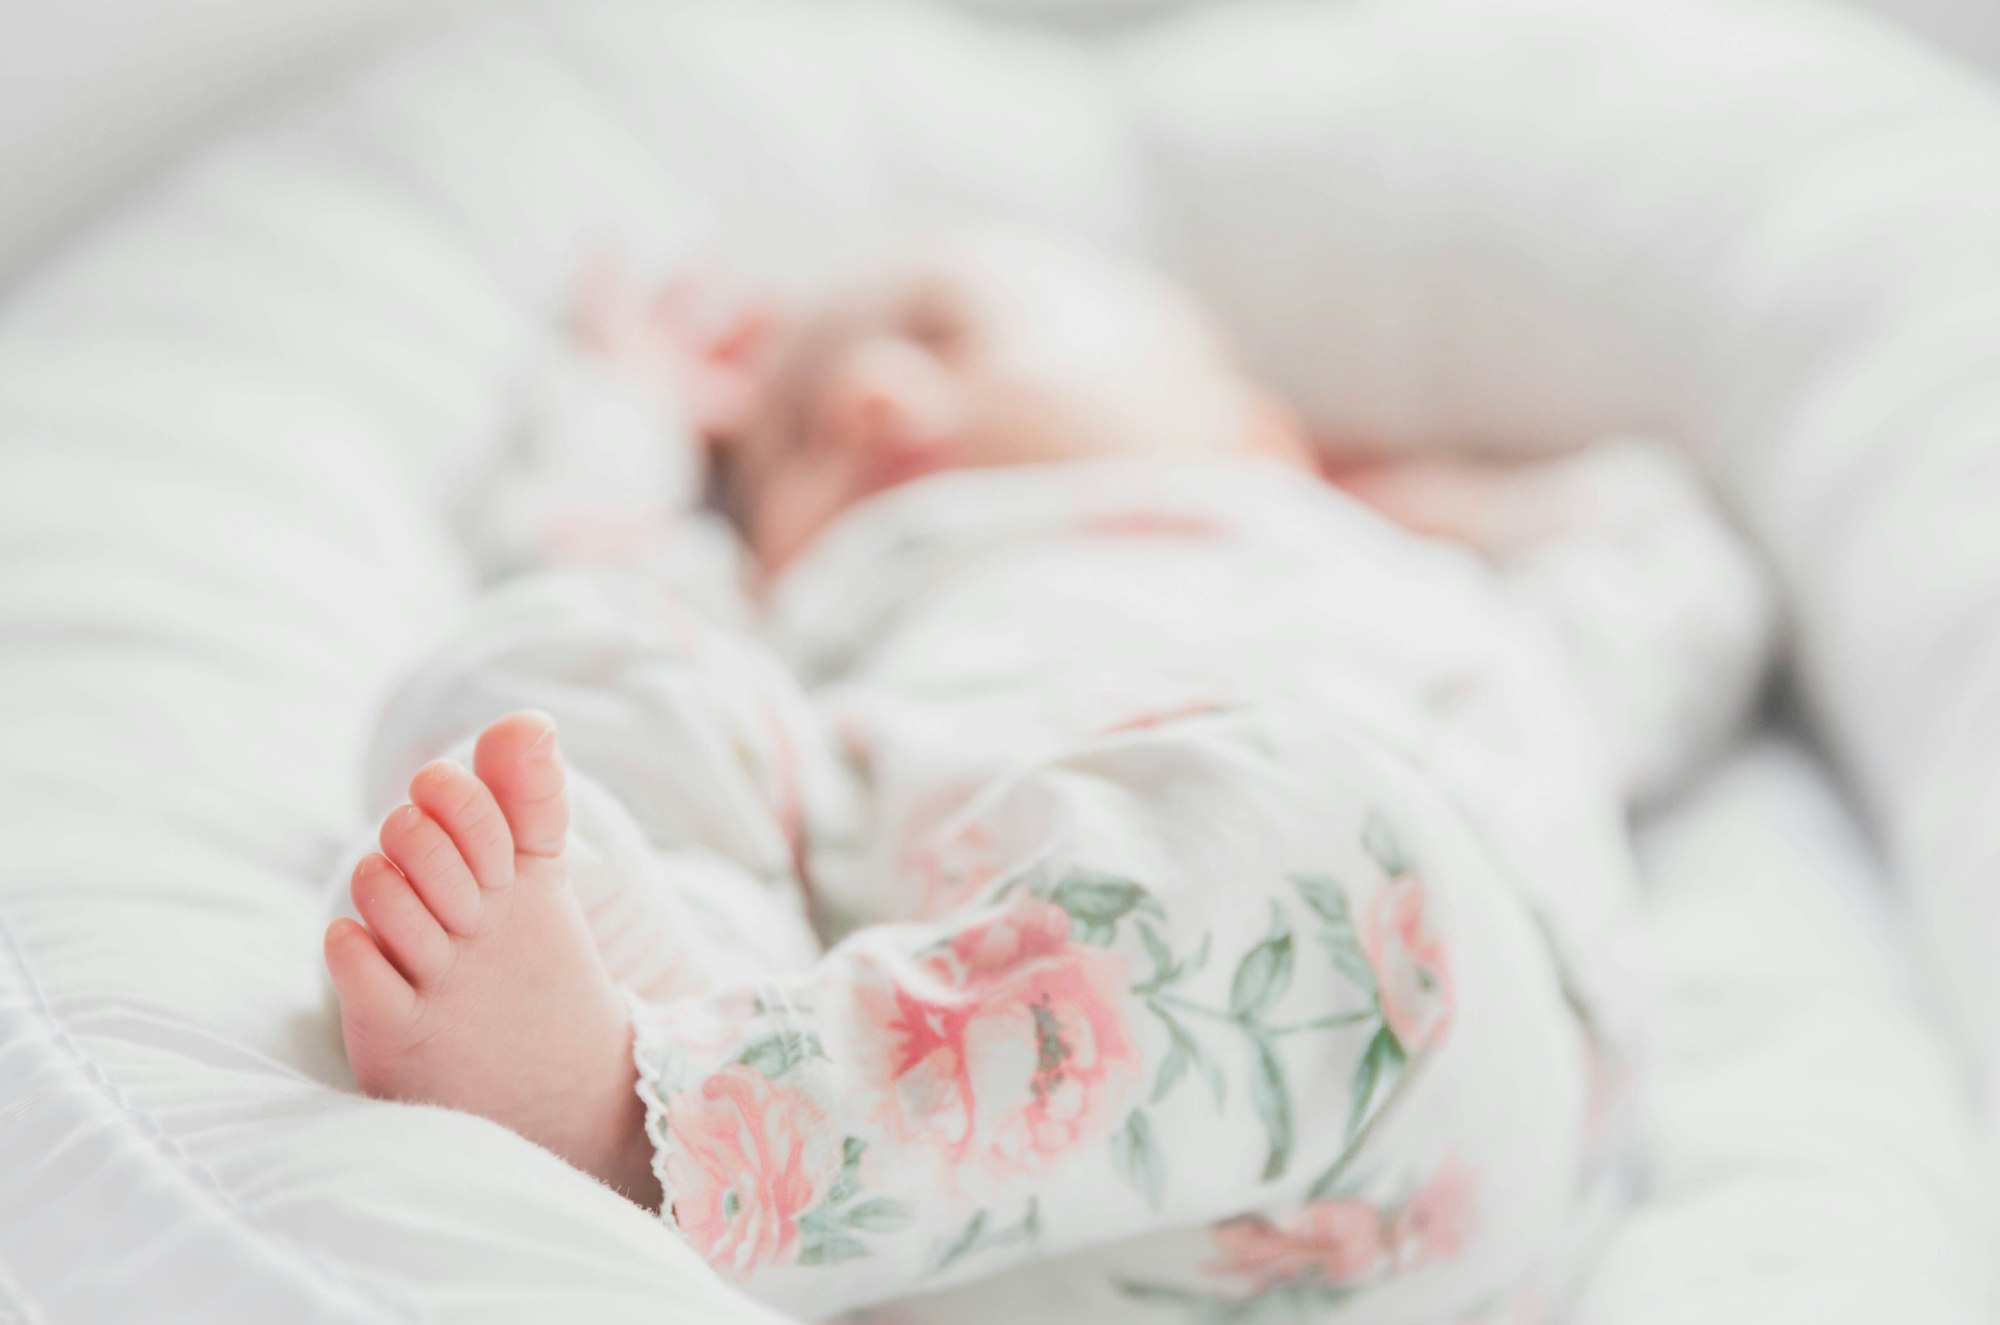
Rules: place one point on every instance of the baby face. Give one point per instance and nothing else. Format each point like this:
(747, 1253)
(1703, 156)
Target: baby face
(993, 348)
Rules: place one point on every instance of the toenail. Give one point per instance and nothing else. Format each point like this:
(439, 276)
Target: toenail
(544, 744)
(411, 815)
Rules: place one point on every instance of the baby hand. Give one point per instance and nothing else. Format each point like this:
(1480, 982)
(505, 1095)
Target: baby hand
(687, 344)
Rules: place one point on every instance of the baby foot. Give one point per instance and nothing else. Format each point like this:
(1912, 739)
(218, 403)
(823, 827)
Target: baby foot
(475, 983)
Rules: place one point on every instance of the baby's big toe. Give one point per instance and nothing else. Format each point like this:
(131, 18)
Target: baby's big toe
(516, 758)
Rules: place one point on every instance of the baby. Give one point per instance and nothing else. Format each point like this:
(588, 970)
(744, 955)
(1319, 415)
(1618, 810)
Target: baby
(1233, 884)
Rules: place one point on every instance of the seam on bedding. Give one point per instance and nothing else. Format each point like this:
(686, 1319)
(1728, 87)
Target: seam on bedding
(163, 1145)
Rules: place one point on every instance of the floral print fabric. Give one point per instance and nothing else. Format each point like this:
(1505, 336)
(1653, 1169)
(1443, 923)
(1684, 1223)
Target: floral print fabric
(1084, 1050)
(1173, 960)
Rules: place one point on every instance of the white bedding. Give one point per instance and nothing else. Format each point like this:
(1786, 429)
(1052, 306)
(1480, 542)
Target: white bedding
(234, 428)
(1808, 1148)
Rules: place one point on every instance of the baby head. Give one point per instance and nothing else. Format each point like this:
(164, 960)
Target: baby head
(989, 347)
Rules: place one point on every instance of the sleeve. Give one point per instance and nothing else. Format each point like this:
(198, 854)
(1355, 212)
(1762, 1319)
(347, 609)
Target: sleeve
(1665, 613)
(593, 469)
(1664, 610)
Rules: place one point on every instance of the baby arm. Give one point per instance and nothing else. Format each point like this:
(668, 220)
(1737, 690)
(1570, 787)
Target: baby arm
(1664, 611)
(607, 461)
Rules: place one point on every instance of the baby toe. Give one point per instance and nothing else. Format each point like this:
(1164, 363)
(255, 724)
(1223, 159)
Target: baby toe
(431, 860)
(404, 928)
(371, 990)
(516, 758)
(463, 808)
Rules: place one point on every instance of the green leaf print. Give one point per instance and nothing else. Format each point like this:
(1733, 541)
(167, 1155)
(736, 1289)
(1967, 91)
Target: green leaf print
(1380, 841)
(976, 1237)
(1165, 969)
(1327, 1183)
(1273, 1100)
(1097, 902)
(1302, 1300)
(832, 1249)
(1030, 1227)
(1335, 1181)
(1380, 1063)
(1325, 897)
(959, 1246)
(775, 1055)
(1184, 1051)
(1262, 978)
(1136, 1156)
(1346, 955)
(1172, 1068)
(827, 1231)
(880, 1215)
(1336, 935)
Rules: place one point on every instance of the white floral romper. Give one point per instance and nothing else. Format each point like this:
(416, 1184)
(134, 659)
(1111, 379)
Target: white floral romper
(1230, 891)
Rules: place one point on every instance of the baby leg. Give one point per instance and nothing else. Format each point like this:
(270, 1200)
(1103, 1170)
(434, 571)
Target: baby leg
(1238, 969)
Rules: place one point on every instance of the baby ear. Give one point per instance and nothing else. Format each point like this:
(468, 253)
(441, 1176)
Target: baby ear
(721, 351)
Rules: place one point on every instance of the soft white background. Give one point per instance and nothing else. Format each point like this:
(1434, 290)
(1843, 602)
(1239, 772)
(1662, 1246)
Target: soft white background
(93, 93)
(1812, 1154)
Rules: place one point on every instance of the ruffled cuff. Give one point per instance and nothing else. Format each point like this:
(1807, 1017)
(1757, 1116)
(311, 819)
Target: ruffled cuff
(646, 1050)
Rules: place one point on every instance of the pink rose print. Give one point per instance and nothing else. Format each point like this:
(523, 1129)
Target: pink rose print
(1437, 1222)
(751, 1157)
(1320, 1254)
(1412, 968)
(1334, 1242)
(1008, 1049)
